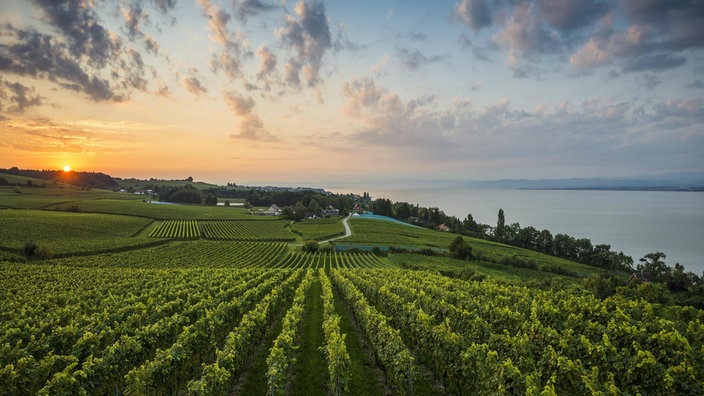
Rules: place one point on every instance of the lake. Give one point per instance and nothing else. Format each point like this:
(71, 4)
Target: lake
(635, 222)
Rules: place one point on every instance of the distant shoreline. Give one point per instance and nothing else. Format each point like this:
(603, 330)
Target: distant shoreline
(665, 189)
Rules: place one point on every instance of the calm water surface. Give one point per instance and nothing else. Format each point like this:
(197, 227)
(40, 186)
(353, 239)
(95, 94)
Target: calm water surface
(635, 222)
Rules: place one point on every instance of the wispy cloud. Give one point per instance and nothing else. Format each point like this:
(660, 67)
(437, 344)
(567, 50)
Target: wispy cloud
(250, 124)
(308, 35)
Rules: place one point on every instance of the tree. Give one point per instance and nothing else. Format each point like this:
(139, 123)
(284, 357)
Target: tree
(189, 179)
(460, 249)
(469, 224)
(382, 206)
(500, 226)
(310, 246)
(653, 263)
(210, 200)
(299, 211)
(287, 213)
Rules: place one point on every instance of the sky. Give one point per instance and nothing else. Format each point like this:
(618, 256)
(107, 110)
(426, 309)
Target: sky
(320, 93)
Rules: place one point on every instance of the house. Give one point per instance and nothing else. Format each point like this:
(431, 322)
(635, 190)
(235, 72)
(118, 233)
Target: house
(330, 211)
(273, 210)
(357, 208)
(444, 228)
(640, 276)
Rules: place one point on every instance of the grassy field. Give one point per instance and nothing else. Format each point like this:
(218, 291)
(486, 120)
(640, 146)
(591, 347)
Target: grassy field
(67, 233)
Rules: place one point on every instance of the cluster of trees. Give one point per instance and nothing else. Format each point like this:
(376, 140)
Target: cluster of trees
(561, 245)
(186, 194)
(656, 282)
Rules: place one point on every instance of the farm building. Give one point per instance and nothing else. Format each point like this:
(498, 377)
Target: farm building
(330, 211)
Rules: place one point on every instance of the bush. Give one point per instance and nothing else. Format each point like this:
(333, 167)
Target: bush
(460, 249)
(310, 247)
(44, 252)
(32, 250)
(558, 269)
(518, 262)
(378, 252)
(29, 249)
(428, 252)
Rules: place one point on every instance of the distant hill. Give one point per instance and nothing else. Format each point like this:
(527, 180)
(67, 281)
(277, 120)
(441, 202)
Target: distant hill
(684, 181)
(79, 179)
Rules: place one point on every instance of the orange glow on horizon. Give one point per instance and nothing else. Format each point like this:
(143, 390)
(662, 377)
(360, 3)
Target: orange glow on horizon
(67, 168)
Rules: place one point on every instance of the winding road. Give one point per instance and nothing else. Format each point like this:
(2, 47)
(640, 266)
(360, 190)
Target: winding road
(348, 230)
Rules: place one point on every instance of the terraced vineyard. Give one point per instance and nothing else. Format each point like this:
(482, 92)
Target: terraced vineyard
(188, 254)
(177, 229)
(254, 230)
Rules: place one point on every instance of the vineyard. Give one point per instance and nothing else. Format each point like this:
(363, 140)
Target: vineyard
(319, 229)
(256, 230)
(217, 305)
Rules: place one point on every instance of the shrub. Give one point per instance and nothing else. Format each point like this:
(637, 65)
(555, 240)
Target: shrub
(29, 249)
(378, 252)
(558, 269)
(310, 247)
(44, 252)
(518, 262)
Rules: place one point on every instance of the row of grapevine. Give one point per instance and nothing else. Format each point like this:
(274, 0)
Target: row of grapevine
(531, 340)
(253, 230)
(168, 371)
(329, 260)
(63, 324)
(335, 350)
(217, 378)
(455, 362)
(286, 342)
(188, 254)
(178, 229)
(385, 341)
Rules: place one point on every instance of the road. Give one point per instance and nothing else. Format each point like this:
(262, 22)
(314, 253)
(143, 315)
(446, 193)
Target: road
(348, 230)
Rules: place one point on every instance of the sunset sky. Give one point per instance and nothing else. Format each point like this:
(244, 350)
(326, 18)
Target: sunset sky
(267, 91)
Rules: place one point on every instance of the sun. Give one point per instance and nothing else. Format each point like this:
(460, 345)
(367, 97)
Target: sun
(67, 168)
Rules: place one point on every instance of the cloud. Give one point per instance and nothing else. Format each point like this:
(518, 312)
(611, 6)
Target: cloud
(40, 56)
(610, 133)
(658, 33)
(651, 35)
(249, 8)
(691, 110)
(217, 21)
(133, 14)
(474, 13)
(413, 60)
(251, 126)
(267, 65)
(164, 6)
(193, 84)
(229, 58)
(20, 96)
(87, 137)
(309, 37)
(80, 26)
(570, 15)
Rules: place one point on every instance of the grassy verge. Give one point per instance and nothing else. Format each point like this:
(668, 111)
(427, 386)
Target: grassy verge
(365, 376)
(310, 372)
